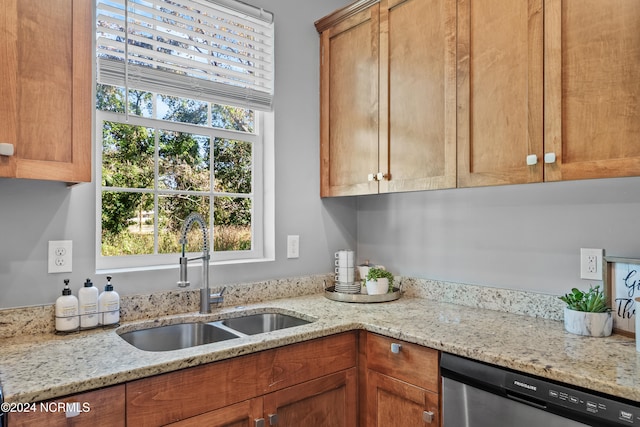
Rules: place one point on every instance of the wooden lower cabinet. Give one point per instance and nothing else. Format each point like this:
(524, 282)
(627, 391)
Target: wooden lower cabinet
(294, 382)
(104, 407)
(399, 383)
(329, 401)
(391, 402)
(243, 414)
(345, 380)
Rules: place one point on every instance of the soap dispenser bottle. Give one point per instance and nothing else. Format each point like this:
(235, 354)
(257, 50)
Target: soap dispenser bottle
(88, 299)
(109, 305)
(66, 310)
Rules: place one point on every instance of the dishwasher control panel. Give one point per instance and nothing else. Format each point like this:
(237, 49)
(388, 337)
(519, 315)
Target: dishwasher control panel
(549, 394)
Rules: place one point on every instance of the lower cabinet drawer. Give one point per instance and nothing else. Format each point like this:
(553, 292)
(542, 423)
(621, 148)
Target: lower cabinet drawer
(104, 407)
(408, 362)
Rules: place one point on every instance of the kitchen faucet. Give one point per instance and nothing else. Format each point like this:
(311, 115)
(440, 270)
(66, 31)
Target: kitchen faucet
(206, 298)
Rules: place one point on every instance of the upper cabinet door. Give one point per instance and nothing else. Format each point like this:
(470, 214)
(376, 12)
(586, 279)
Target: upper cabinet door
(500, 92)
(349, 105)
(45, 89)
(417, 94)
(592, 88)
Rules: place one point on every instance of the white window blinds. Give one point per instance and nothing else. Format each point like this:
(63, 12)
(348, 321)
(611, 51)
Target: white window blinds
(221, 50)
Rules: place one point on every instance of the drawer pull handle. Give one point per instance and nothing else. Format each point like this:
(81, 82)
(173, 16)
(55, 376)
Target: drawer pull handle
(395, 348)
(6, 149)
(273, 419)
(427, 416)
(258, 422)
(550, 157)
(73, 410)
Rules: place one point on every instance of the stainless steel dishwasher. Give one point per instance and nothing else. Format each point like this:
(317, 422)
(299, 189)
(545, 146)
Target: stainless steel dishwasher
(476, 394)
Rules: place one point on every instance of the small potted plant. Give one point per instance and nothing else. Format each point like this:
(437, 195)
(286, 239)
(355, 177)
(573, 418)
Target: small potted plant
(379, 281)
(587, 313)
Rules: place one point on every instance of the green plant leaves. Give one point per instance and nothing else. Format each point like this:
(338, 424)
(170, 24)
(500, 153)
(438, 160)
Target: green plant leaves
(592, 301)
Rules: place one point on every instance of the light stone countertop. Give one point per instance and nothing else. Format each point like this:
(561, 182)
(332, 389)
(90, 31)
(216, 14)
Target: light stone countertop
(45, 366)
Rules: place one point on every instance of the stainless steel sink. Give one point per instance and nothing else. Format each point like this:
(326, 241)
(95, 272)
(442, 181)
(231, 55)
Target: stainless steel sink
(174, 337)
(184, 335)
(264, 322)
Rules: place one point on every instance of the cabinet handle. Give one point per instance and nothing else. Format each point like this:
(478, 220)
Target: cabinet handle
(532, 159)
(6, 149)
(427, 416)
(395, 348)
(273, 419)
(73, 409)
(258, 422)
(379, 176)
(549, 157)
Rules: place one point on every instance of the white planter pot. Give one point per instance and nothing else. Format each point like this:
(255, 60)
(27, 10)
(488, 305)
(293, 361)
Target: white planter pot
(589, 324)
(378, 286)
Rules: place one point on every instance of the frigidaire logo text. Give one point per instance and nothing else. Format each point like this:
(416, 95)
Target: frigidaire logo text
(525, 385)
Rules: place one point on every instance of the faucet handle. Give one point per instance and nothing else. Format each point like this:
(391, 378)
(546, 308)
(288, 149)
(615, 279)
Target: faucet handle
(217, 298)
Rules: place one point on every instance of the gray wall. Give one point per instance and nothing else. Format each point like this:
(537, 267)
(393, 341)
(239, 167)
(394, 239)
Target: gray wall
(34, 212)
(518, 237)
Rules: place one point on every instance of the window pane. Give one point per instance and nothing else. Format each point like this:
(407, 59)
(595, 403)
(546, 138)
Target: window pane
(141, 103)
(232, 166)
(173, 210)
(232, 118)
(184, 161)
(232, 224)
(183, 110)
(127, 223)
(127, 155)
(110, 98)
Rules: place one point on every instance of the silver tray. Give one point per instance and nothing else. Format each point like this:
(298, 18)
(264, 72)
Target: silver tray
(361, 298)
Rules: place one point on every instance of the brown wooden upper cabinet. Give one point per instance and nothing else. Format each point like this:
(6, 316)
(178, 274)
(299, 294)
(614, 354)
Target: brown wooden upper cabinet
(547, 90)
(45, 89)
(500, 92)
(388, 97)
(426, 94)
(592, 88)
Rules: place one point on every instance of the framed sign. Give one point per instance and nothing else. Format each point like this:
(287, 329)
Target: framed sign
(622, 285)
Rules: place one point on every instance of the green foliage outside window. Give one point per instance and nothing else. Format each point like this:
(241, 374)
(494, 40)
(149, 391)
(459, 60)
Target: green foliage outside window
(138, 192)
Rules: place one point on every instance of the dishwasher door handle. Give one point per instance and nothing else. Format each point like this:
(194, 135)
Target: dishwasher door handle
(534, 403)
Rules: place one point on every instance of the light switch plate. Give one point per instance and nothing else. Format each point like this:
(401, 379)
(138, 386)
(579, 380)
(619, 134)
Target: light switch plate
(60, 255)
(293, 246)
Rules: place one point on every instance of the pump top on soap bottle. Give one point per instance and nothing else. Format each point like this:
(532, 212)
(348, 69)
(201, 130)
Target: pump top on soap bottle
(109, 305)
(66, 290)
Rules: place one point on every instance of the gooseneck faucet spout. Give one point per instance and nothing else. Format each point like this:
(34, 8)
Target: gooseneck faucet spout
(194, 217)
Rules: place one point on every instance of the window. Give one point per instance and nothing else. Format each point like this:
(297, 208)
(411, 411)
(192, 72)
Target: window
(183, 124)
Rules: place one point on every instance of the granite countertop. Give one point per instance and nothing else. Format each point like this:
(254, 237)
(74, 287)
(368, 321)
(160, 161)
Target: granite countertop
(45, 366)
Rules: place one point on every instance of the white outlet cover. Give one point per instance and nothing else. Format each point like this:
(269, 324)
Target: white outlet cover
(60, 256)
(585, 271)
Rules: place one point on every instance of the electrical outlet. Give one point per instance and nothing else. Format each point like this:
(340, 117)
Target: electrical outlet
(293, 246)
(60, 252)
(591, 264)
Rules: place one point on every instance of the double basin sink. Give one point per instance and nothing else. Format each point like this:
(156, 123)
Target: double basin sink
(184, 335)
